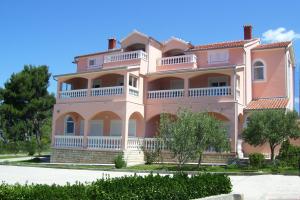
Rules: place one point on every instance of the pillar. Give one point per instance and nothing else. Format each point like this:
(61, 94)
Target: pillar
(186, 86)
(86, 133)
(125, 125)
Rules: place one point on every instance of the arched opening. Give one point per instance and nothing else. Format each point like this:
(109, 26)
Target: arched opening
(105, 123)
(209, 80)
(166, 83)
(108, 80)
(152, 125)
(70, 124)
(258, 71)
(173, 52)
(136, 47)
(136, 126)
(77, 83)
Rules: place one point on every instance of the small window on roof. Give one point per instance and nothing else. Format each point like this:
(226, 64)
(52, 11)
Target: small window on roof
(258, 71)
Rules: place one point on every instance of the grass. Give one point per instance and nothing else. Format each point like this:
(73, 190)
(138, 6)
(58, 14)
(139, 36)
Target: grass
(230, 169)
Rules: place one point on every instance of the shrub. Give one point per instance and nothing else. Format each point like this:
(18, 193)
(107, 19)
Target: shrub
(180, 186)
(30, 147)
(256, 160)
(289, 155)
(151, 156)
(120, 162)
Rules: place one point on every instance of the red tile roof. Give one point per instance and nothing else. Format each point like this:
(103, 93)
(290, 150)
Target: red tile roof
(228, 44)
(273, 45)
(270, 103)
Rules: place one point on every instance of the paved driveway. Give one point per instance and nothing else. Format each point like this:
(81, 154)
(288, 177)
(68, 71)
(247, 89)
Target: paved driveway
(253, 187)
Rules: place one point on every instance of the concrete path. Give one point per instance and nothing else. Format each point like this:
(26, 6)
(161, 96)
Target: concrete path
(253, 187)
(16, 159)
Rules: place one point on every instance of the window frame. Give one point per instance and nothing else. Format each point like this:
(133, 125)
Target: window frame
(211, 61)
(66, 126)
(264, 67)
(131, 79)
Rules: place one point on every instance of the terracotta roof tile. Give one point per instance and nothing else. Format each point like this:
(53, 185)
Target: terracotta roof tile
(273, 45)
(227, 44)
(270, 103)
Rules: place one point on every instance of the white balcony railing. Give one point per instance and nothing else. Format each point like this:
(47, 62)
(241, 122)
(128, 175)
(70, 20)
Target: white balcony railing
(68, 141)
(177, 60)
(104, 142)
(162, 94)
(107, 91)
(123, 56)
(73, 94)
(210, 91)
(133, 91)
(137, 143)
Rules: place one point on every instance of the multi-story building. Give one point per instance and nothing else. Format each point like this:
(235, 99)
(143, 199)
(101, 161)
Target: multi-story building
(113, 102)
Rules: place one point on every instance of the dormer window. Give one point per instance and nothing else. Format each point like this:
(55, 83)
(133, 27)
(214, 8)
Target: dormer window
(218, 56)
(258, 71)
(92, 62)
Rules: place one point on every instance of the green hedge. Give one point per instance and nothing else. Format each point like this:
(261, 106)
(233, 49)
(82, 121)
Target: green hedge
(134, 187)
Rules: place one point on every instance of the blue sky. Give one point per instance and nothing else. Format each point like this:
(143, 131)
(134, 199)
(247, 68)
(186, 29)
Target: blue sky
(53, 32)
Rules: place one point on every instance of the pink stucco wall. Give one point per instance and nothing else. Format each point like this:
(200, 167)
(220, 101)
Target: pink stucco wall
(274, 85)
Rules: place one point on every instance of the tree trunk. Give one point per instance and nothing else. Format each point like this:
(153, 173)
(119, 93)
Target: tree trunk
(272, 147)
(199, 160)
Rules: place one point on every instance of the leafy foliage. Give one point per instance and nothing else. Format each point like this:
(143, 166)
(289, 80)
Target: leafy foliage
(26, 104)
(120, 162)
(289, 155)
(272, 127)
(136, 187)
(256, 160)
(190, 134)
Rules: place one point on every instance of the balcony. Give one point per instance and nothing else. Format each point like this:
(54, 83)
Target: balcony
(177, 62)
(125, 58)
(106, 142)
(107, 91)
(192, 92)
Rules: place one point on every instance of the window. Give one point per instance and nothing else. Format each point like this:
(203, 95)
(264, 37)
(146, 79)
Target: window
(92, 62)
(96, 128)
(258, 71)
(97, 83)
(115, 128)
(218, 81)
(69, 126)
(218, 56)
(120, 81)
(133, 81)
(132, 128)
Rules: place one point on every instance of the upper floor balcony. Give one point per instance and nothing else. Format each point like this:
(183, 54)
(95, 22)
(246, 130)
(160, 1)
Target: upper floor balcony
(105, 87)
(177, 62)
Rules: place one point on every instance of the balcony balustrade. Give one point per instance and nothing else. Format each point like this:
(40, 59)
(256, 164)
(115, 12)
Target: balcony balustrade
(73, 94)
(104, 142)
(107, 91)
(68, 141)
(177, 60)
(210, 91)
(124, 56)
(162, 94)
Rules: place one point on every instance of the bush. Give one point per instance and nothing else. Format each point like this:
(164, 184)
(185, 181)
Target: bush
(151, 156)
(30, 147)
(120, 162)
(289, 155)
(180, 186)
(256, 160)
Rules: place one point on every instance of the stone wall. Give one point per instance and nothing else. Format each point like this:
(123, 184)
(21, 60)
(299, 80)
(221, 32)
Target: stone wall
(83, 156)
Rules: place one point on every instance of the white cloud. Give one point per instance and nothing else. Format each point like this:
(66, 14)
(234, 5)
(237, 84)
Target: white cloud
(279, 34)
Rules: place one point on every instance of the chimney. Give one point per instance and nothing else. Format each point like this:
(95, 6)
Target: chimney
(112, 43)
(247, 32)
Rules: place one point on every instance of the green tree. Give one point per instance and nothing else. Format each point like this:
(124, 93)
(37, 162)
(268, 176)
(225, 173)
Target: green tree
(210, 134)
(26, 104)
(272, 127)
(179, 135)
(190, 134)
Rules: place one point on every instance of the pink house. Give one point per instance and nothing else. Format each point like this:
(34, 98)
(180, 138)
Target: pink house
(112, 103)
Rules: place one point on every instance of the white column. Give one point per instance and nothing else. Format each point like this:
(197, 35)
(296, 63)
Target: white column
(126, 84)
(186, 86)
(125, 122)
(86, 133)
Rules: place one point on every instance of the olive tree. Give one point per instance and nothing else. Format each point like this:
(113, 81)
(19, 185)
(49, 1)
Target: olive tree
(271, 127)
